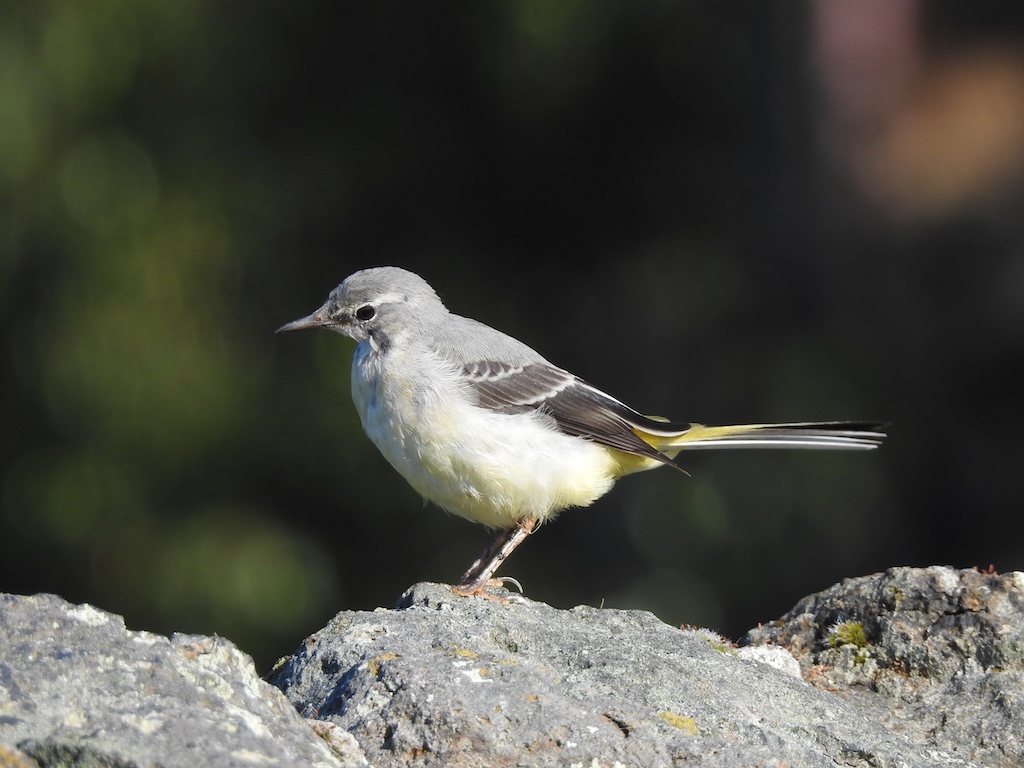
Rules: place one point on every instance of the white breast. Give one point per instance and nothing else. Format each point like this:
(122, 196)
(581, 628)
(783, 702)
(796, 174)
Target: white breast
(485, 466)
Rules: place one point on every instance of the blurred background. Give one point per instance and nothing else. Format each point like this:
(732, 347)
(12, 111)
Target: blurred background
(718, 211)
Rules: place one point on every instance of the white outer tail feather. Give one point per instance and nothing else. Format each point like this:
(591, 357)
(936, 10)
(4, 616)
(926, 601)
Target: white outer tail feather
(809, 435)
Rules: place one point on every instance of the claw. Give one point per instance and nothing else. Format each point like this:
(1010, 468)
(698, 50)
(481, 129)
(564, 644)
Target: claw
(510, 580)
(478, 590)
(481, 572)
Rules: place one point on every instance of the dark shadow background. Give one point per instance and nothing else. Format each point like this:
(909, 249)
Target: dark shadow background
(718, 211)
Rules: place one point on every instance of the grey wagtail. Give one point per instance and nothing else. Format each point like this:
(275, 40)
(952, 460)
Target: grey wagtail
(483, 426)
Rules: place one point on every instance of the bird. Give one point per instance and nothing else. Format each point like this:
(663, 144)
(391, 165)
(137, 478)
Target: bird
(485, 427)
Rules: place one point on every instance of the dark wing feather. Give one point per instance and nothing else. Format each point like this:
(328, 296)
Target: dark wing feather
(577, 408)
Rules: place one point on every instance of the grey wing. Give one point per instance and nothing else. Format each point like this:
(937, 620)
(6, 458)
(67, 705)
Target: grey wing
(577, 408)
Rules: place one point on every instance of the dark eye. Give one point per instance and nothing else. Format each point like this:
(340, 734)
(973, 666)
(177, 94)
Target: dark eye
(365, 312)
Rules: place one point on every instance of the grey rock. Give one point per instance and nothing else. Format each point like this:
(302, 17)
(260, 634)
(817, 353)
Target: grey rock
(15, 758)
(449, 681)
(909, 668)
(79, 689)
(941, 660)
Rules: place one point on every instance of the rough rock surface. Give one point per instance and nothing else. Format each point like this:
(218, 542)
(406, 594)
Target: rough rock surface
(78, 689)
(940, 658)
(445, 681)
(909, 668)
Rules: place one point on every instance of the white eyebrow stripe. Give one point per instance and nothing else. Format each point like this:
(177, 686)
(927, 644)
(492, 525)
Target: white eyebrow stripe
(389, 298)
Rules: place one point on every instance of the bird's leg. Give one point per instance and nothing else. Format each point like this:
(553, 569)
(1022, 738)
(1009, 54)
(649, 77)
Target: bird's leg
(479, 574)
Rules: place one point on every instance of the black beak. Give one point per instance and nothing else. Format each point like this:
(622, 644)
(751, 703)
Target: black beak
(317, 320)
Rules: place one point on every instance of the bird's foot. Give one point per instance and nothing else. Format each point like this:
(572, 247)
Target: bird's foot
(479, 590)
(481, 573)
(478, 587)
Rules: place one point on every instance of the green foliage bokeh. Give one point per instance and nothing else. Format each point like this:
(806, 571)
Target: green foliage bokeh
(633, 188)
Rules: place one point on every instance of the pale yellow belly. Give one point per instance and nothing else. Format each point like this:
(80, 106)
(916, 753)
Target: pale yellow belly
(484, 466)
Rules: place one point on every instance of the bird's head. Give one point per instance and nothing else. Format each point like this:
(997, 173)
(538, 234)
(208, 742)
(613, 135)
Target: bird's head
(378, 303)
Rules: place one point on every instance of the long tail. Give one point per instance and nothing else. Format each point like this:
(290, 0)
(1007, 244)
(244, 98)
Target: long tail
(821, 435)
